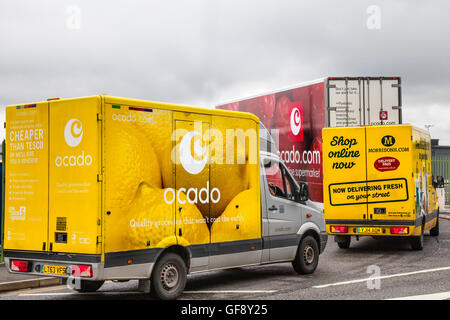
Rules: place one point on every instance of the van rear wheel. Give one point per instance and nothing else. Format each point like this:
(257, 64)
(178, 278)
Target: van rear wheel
(89, 286)
(307, 256)
(343, 242)
(169, 277)
(434, 232)
(417, 241)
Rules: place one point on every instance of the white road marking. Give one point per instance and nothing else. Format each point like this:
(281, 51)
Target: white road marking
(138, 292)
(232, 291)
(77, 293)
(433, 296)
(382, 277)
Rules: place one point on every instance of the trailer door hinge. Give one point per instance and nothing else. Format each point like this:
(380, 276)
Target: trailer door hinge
(99, 178)
(99, 117)
(98, 239)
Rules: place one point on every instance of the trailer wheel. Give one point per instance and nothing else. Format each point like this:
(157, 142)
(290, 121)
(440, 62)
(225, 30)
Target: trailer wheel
(168, 277)
(343, 242)
(434, 232)
(89, 286)
(307, 257)
(417, 241)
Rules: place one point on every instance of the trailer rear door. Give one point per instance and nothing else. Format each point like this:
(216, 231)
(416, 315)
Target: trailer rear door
(363, 101)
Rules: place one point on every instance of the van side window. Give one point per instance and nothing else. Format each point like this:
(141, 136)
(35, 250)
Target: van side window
(291, 186)
(274, 178)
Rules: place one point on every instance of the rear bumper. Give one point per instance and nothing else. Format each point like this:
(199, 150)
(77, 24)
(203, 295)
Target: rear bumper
(355, 227)
(38, 259)
(375, 228)
(141, 270)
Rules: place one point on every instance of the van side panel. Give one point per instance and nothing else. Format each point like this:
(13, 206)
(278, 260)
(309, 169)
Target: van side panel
(425, 194)
(26, 177)
(168, 182)
(74, 166)
(138, 171)
(236, 174)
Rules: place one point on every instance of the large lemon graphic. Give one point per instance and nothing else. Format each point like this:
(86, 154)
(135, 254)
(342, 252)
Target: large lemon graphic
(232, 163)
(190, 220)
(158, 132)
(132, 161)
(239, 220)
(149, 220)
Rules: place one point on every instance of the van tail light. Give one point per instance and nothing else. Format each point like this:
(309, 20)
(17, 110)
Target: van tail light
(399, 230)
(20, 266)
(339, 229)
(83, 271)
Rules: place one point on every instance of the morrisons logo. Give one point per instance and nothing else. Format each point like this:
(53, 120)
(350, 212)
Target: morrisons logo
(388, 141)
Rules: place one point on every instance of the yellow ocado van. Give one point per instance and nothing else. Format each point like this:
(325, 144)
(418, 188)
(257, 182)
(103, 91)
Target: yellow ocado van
(378, 182)
(105, 188)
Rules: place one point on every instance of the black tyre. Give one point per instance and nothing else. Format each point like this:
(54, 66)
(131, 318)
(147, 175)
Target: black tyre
(307, 257)
(434, 232)
(168, 277)
(89, 286)
(343, 242)
(417, 241)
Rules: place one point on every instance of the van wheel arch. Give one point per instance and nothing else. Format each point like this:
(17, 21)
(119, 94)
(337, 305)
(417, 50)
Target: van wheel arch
(183, 252)
(312, 233)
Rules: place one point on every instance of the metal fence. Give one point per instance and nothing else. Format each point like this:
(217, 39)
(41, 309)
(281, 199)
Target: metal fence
(440, 164)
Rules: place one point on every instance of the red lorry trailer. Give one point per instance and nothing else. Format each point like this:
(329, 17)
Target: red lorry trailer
(296, 115)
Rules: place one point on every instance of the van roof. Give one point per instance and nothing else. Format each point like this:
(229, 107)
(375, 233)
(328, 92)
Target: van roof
(154, 104)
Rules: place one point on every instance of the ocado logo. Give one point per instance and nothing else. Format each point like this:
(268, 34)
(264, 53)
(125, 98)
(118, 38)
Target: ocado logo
(73, 132)
(193, 162)
(296, 121)
(193, 153)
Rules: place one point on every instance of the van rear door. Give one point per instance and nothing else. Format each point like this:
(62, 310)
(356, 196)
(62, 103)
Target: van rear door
(26, 177)
(74, 177)
(388, 172)
(345, 176)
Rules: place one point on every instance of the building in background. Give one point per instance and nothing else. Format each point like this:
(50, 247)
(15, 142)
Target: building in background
(440, 162)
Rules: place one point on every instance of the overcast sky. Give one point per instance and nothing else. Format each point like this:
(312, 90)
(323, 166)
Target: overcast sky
(204, 52)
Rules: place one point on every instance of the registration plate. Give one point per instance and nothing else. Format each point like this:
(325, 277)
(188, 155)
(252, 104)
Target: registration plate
(56, 270)
(368, 230)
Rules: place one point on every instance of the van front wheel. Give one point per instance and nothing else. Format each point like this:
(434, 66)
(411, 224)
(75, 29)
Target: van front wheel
(168, 277)
(307, 256)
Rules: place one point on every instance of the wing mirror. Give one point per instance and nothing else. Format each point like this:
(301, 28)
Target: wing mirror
(303, 192)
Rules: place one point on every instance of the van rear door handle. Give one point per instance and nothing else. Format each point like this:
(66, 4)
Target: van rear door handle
(273, 208)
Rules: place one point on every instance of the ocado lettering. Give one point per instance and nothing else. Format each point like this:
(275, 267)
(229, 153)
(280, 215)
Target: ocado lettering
(74, 160)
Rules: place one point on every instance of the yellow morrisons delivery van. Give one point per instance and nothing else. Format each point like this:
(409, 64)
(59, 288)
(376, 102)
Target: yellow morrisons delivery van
(378, 182)
(104, 188)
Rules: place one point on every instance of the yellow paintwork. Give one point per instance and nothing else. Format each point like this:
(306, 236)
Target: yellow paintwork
(356, 186)
(26, 178)
(109, 165)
